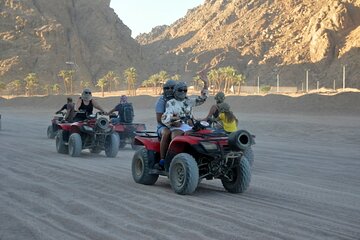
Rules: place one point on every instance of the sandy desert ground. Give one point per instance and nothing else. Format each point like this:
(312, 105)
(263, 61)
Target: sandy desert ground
(305, 181)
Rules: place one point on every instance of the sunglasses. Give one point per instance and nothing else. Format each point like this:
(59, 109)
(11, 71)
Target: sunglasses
(168, 88)
(182, 90)
(87, 92)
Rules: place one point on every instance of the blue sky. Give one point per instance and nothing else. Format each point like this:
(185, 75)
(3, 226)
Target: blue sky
(142, 15)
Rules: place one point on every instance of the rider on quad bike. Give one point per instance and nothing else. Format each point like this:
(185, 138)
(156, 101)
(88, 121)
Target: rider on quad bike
(200, 153)
(123, 122)
(65, 117)
(90, 131)
(94, 133)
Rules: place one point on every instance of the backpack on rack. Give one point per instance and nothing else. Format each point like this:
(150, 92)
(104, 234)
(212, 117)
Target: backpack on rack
(126, 113)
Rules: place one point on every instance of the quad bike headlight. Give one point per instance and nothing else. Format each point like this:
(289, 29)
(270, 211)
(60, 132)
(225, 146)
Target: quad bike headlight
(102, 123)
(208, 146)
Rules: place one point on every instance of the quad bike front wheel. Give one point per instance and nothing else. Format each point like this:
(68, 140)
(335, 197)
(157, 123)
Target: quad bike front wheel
(112, 145)
(237, 179)
(75, 145)
(184, 174)
(140, 167)
(60, 143)
(134, 146)
(50, 132)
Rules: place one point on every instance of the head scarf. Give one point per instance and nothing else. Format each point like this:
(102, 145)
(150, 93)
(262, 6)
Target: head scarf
(86, 94)
(180, 91)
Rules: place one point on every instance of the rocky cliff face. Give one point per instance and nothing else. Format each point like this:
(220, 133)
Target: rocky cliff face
(40, 36)
(259, 38)
(264, 39)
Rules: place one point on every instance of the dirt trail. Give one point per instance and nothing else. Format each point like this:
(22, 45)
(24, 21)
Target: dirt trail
(305, 185)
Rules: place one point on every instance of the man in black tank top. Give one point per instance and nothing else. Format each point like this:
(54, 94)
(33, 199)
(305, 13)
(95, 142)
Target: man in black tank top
(86, 104)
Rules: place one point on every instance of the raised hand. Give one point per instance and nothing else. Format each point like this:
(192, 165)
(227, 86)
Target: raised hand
(204, 78)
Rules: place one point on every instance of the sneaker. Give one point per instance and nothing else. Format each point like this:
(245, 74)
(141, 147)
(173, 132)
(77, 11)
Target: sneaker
(160, 165)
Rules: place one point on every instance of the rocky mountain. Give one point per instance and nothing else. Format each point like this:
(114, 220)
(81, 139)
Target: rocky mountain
(264, 39)
(46, 36)
(260, 39)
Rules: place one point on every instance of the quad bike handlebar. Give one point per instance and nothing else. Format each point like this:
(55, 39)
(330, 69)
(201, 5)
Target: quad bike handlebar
(60, 112)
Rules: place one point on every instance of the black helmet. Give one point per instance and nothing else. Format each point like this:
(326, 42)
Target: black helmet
(168, 89)
(219, 97)
(180, 91)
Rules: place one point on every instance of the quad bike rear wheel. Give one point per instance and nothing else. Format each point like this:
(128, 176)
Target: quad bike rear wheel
(184, 174)
(237, 180)
(112, 145)
(50, 133)
(140, 167)
(60, 143)
(75, 145)
(249, 154)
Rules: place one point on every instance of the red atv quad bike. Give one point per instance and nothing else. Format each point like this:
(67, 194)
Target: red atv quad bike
(94, 133)
(201, 153)
(126, 133)
(53, 128)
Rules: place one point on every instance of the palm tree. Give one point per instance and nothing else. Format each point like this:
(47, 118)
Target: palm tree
(84, 84)
(130, 77)
(239, 79)
(227, 76)
(154, 80)
(32, 82)
(56, 88)
(15, 87)
(176, 77)
(46, 87)
(65, 76)
(2, 86)
(213, 76)
(111, 77)
(146, 84)
(197, 80)
(163, 77)
(102, 82)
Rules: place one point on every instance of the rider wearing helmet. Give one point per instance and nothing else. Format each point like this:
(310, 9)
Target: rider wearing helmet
(179, 109)
(214, 110)
(162, 130)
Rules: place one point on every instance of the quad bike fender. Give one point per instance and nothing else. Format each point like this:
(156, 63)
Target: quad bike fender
(139, 126)
(70, 127)
(152, 144)
(180, 143)
(119, 128)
